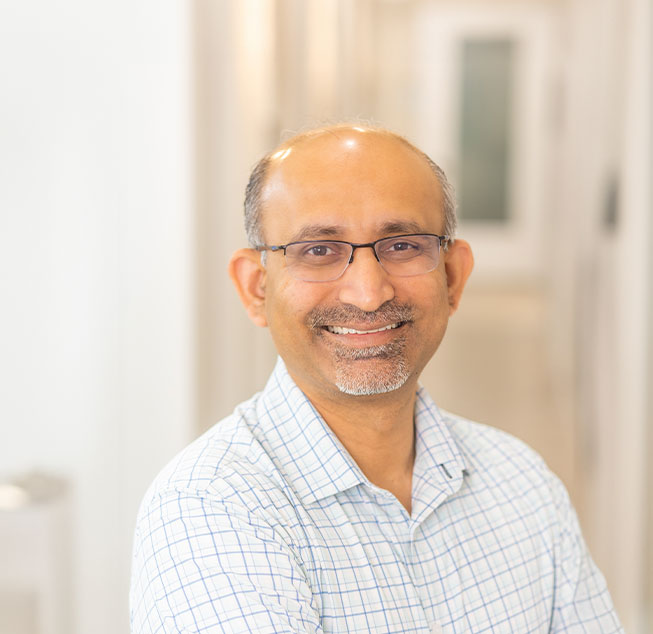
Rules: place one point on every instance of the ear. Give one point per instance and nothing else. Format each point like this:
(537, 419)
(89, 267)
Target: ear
(248, 275)
(458, 264)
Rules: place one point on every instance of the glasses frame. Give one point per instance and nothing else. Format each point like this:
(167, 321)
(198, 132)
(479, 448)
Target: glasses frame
(445, 240)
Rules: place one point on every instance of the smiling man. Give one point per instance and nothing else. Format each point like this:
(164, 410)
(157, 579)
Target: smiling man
(341, 499)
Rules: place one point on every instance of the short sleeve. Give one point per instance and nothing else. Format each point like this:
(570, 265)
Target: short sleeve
(206, 566)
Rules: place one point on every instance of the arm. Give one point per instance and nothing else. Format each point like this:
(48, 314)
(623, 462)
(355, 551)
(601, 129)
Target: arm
(202, 566)
(582, 602)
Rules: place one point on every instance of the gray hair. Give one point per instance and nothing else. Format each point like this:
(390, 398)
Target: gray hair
(257, 178)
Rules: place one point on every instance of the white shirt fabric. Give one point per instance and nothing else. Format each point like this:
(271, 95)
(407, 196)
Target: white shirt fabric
(266, 524)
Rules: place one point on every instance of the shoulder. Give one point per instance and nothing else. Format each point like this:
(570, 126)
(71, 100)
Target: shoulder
(226, 474)
(226, 460)
(498, 462)
(489, 446)
(221, 512)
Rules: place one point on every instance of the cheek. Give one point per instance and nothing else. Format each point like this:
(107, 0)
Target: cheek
(288, 303)
(431, 302)
(428, 293)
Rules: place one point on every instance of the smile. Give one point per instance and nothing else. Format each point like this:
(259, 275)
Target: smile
(339, 330)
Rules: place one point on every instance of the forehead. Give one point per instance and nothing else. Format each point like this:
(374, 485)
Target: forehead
(353, 182)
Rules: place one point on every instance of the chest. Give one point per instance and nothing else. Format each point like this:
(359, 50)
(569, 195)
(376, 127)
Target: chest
(372, 569)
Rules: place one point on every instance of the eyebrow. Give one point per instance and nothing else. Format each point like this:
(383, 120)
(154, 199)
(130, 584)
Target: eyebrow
(317, 231)
(401, 226)
(309, 232)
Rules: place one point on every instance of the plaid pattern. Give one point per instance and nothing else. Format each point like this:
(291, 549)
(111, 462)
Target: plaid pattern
(266, 524)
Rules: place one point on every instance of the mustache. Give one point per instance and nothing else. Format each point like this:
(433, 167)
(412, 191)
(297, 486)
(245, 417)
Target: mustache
(390, 311)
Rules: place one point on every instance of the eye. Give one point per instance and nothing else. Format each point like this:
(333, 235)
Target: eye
(317, 250)
(316, 253)
(402, 246)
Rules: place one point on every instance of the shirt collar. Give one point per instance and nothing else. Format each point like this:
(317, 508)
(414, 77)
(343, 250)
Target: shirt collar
(301, 444)
(434, 442)
(317, 465)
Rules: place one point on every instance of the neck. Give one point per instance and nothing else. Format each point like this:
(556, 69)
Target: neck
(378, 432)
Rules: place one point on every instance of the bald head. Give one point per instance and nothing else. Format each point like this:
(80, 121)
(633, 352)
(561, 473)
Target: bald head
(329, 149)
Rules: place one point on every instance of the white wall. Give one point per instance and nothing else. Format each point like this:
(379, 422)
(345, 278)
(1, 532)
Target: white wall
(236, 116)
(607, 135)
(95, 267)
(631, 425)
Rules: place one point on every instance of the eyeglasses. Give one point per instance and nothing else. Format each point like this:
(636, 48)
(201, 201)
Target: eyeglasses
(327, 260)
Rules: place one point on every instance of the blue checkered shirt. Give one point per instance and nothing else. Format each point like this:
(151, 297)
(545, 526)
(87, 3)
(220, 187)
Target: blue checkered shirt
(266, 524)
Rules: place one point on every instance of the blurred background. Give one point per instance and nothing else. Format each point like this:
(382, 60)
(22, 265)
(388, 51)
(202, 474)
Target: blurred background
(127, 131)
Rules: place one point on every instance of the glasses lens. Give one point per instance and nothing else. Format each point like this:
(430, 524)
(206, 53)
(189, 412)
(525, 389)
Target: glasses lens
(409, 255)
(317, 261)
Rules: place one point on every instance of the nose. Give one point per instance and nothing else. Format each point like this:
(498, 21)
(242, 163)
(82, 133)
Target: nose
(365, 284)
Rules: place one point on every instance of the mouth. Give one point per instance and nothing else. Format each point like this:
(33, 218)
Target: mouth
(342, 330)
(346, 327)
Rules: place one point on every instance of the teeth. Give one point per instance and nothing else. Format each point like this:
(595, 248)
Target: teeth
(338, 330)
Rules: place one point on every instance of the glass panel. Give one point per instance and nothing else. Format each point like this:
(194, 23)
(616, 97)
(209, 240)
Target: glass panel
(483, 188)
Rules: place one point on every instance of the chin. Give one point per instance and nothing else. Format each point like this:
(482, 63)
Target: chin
(357, 381)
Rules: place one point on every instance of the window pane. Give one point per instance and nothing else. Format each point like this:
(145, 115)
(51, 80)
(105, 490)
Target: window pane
(485, 129)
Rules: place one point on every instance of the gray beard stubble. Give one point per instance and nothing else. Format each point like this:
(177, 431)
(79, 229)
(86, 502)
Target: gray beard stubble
(353, 375)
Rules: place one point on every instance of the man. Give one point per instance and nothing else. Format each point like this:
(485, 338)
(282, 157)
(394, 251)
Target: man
(340, 499)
